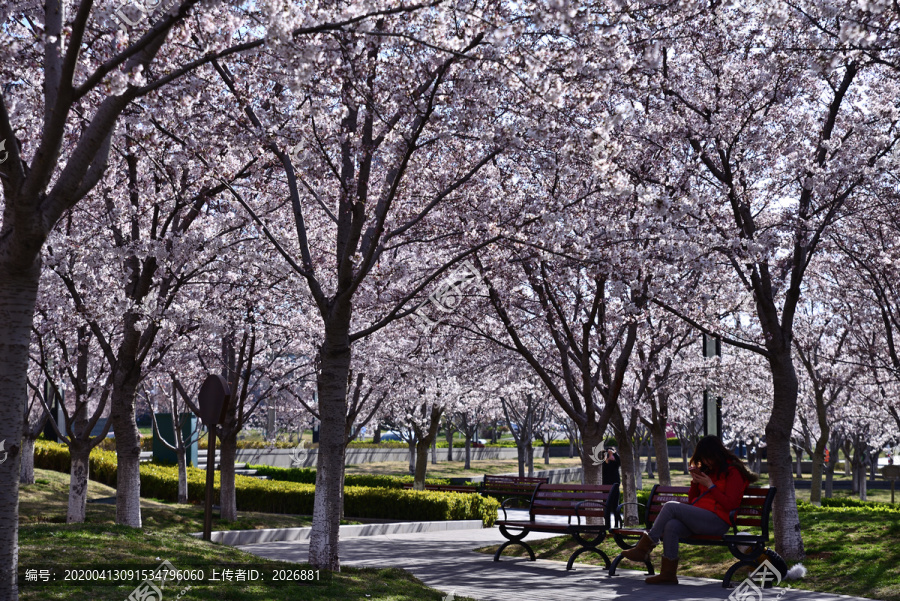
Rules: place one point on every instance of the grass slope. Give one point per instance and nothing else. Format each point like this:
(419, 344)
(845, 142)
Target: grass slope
(46, 541)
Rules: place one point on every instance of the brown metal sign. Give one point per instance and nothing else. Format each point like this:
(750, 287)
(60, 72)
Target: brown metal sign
(213, 395)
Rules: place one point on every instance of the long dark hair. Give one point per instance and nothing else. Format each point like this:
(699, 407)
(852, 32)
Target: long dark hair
(714, 458)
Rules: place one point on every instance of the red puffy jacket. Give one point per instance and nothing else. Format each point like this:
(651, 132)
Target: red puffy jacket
(722, 498)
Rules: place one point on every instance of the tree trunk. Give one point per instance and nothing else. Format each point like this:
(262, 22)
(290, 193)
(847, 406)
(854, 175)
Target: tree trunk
(799, 452)
(128, 456)
(848, 461)
(468, 464)
(685, 459)
(449, 435)
(788, 539)
(818, 464)
(334, 361)
(520, 456)
(412, 456)
(377, 437)
(434, 451)
(18, 291)
(423, 443)
(547, 453)
(26, 472)
(873, 465)
(571, 449)
(182, 474)
(591, 439)
(661, 448)
(529, 458)
(227, 493)
(629, 486)
(78, 483)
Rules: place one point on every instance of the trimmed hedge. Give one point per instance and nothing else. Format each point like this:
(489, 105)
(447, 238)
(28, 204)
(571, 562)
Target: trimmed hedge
(307, 475)
(273, 496)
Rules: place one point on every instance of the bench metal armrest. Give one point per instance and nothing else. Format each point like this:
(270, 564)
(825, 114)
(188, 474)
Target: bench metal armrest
(578, 506)
(618, 514)
(503, 505)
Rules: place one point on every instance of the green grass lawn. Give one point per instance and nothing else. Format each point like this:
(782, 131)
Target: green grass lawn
(45, 542)
(848, 551)
(46, 502)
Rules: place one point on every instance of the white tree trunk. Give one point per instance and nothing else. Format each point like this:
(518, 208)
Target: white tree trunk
(26, 472)
(788, 538)
(128, 456)
(18, 291)
(78, 485)
(227, 493)
(334, 358)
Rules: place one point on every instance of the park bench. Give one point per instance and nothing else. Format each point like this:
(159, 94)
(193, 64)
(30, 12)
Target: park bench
(505, 487)
(590, 505)
(747, 548)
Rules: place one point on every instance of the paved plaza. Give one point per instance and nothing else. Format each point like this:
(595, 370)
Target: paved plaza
(447, 561)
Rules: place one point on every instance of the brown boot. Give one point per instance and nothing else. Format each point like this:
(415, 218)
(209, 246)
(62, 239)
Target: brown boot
(641, 551)
(666, 572)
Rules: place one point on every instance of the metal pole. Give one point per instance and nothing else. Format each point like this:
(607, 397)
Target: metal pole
(210, 483)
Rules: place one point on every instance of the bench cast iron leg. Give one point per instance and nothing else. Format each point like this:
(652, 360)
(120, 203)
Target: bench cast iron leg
(513, 540)
(620, 557)
(588, 545)
(750, 559)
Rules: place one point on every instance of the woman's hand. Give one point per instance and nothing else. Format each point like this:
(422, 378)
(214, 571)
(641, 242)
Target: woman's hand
(702, 479)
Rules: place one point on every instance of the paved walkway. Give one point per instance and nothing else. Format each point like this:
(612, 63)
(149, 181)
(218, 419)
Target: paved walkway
(447, 562)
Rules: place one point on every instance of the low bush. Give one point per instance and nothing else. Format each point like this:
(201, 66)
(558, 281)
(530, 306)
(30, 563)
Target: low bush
(851, 503)
(281, 496)
(306, 475)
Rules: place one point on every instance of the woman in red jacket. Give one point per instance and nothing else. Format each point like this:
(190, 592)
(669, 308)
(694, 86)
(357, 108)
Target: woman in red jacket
(718, 482)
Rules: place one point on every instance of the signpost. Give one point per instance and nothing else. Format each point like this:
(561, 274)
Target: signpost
(213, 400)
(892, 473)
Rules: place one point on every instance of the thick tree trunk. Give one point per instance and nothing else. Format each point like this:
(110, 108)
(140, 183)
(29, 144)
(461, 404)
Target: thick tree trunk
(334, 361)
(421, 464)
(78, 483)
(591, 437)
(227, 493)
(629, 485)
(799, 452)
(377, 438)
(18, 291)
(818, 465)
(128, 456)
(434, 451)
(661, 448)
(547, 454)
(26, 471)
(520, 457)
(412, 456)
(788, 539)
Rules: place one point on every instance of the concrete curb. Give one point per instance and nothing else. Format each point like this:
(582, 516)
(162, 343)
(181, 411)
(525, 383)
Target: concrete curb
(236, 538)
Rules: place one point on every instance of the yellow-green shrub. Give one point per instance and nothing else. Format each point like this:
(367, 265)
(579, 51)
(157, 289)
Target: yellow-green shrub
(273, 496)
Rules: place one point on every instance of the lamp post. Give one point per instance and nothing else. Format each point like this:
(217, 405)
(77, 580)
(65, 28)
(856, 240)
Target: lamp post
(712, 405)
